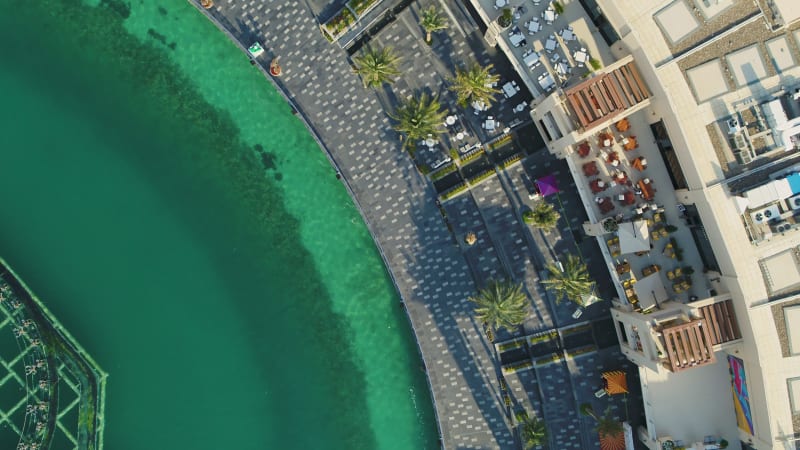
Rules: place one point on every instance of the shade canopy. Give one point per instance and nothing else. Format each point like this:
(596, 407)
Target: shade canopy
(633, 237)
(547, 185)
(615, 382)
(612, 441)
(650, 290)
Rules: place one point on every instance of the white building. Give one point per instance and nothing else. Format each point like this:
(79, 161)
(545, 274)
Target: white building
(703, 62)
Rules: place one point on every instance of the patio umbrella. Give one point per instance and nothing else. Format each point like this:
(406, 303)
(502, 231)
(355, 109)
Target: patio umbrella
(612, 442)
(547, 185)
(614, 382)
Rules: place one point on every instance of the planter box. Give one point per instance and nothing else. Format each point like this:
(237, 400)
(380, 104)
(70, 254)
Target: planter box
(339, 24)
(361, 7)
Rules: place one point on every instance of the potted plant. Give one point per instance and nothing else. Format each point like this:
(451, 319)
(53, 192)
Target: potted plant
(723, 443)
(505, 18)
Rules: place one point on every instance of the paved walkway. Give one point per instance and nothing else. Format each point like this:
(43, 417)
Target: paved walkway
(399, 208)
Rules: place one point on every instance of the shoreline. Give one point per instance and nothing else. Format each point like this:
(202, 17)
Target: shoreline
(300, 113)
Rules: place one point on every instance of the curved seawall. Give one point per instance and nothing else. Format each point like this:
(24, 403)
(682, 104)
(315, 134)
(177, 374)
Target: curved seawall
(397, 204)
(263, 66)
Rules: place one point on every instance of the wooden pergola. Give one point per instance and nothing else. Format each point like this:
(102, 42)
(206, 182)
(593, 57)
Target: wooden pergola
(722, 323)
(688, 345)
(606, 96)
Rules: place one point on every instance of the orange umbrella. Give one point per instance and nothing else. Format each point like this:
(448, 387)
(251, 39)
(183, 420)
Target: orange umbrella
(614, 382)
(612, 442)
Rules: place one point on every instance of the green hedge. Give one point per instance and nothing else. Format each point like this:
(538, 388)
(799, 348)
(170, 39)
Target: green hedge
(533, 340)
(444, 171)
(359, 6)
(549, 359)
(482, 176)
(504, 347)
(501, 142)
(472, 156)
(461, 187)
(517, 367)
(509, 161)
(581, 351)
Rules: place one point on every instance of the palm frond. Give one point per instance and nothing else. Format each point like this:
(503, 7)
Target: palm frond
(377, 66)
(419, 117)
(573, 283)
(501, 305)
(475, 83)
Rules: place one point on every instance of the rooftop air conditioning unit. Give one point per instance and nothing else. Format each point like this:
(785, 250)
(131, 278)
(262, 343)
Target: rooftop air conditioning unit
(733, 125)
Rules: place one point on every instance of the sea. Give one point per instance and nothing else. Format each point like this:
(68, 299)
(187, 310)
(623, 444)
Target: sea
(163, 201)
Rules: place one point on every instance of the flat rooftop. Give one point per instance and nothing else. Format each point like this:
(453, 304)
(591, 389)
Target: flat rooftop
(781, 271)
(691, 404)
(788, 9)
(676, 21)
(707, 80)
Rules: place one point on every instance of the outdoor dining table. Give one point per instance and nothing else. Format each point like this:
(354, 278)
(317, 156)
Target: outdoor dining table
(568, 35)
(651, 269)
(517, 39)
(629, 143)
(546, 81)
(627, 198)
(647, 188)
(500, 3)
(640, 163)
(590, 169)
(562, 68)
(613, 158)
(509, 89)
(479, 105)
(549, 15)
(605, 205)
(550, 44)
(597, 185)
(450, 120)
(580, 56)
(584, 149)
(490, 124)
(459, 136)
(623, 125)
(534, 26)
(531, 59)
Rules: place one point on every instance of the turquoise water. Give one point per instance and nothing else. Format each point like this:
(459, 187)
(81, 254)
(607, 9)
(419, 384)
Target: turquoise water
(159, 196)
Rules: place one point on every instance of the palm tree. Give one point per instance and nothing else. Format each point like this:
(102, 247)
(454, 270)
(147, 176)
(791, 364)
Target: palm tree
(542, 216)
(475, 84)
(377, 66)
(501, 304)
(572, 283)
(532, 432)
(607, 425)
(419, 117)
(432, 21)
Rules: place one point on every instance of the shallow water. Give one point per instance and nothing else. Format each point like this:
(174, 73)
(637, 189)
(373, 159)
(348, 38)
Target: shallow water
(166, 205)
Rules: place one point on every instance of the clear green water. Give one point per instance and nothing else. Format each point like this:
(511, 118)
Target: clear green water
(160, 197)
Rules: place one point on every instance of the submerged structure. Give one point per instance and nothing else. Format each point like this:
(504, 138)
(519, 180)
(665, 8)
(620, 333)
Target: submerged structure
(51, 391)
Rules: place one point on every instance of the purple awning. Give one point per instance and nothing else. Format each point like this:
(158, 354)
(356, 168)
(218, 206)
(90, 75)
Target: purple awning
(547, 185)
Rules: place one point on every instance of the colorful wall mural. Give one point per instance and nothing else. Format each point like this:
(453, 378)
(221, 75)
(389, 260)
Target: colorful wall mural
(741, 396)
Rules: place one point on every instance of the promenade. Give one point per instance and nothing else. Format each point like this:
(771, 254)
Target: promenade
(399, 207)
(432, 271)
